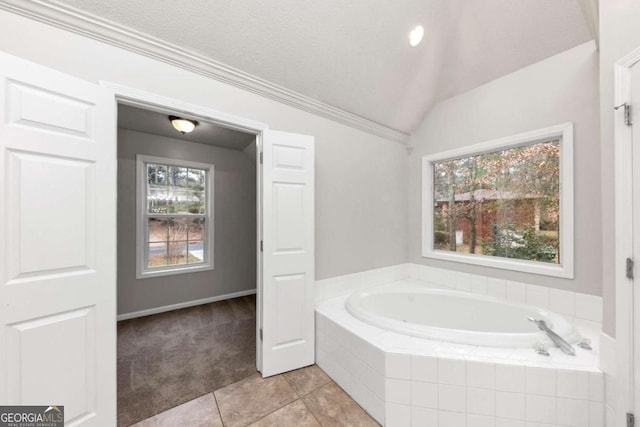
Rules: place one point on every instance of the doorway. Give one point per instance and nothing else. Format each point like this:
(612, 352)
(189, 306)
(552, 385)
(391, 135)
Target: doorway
(627, 234)
(186, 243)
(285, 207)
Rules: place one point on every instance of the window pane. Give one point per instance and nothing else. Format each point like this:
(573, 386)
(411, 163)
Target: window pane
(504, 203)
(196, 229)
(178, 253)
(156, 188)
(177, 176)
(196, 200)
(185, 201)
(158, 230)
(177, 229)
(157, 254)
(156, 174)
(157, 201)
(196, 251)
(195, 179)
(174, 196)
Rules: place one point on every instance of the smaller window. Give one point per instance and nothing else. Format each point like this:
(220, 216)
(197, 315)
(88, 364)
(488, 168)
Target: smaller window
(174, 225)
(504, 203)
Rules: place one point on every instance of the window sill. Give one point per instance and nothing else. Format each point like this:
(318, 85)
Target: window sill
(522, 266)
(171, 271)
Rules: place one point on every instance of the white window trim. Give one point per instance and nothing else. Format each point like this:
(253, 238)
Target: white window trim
(566, 268)
(142, 272)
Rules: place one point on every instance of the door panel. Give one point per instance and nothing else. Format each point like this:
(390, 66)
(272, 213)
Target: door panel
(57, 243)
(290, 290)
(289, 217)
(34, 183)
(287, 316)
(32, 381)
(44, 109)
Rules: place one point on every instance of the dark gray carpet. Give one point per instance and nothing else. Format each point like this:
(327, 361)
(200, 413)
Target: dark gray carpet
(170, 358)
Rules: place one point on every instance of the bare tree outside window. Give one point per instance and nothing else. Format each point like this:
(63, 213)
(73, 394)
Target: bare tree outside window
(503, 203)
(176, 201)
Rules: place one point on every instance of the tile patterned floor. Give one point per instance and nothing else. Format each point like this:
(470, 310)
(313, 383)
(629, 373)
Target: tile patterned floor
(196, 367)
(303, 398)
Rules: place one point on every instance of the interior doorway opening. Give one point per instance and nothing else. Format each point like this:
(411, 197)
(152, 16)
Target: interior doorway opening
(187, 259)
(285, 217)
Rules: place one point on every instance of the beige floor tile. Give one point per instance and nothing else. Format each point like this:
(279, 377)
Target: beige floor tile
(200, 412)
(249, 400)
(306, 380)
(294, 414)
(333, 407)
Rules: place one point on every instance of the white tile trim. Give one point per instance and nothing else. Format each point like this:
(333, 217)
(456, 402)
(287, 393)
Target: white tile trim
(609, 366)
(349, 283)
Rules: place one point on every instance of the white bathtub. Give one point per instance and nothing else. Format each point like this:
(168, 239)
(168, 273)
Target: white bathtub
(454, 316)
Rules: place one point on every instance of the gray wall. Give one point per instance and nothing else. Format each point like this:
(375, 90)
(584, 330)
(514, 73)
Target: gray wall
(234, 202)
(619, 35)
(562, 88)
(361, 179)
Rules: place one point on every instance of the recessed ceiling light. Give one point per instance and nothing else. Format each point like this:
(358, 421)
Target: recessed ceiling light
(183, 125)
(415, 36)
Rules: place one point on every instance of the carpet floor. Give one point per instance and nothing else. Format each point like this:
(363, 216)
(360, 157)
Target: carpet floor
(171, 358)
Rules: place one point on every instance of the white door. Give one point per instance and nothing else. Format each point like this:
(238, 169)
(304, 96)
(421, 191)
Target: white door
(57, 243)
(635, 148)
(286, 294)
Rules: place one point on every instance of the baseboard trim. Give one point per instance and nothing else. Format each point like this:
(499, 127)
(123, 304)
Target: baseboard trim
(185, 304)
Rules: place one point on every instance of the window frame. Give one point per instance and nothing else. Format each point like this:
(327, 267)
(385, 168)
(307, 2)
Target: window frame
(142, 230)
(563, 132)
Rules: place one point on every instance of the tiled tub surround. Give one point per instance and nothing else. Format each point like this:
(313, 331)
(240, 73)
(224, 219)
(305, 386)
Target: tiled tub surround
(407, 381)
(582, 308)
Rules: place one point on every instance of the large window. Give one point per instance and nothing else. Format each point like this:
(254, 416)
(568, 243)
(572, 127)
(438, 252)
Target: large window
(175, 230)
(505, 203)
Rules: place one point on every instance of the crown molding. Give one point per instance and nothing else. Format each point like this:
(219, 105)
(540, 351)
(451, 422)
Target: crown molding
(71, 19)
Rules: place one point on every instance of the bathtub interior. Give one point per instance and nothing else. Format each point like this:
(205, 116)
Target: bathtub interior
(478, 315)
(418, 309)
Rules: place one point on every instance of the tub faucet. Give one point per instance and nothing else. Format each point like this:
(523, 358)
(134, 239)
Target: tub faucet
(557, 339)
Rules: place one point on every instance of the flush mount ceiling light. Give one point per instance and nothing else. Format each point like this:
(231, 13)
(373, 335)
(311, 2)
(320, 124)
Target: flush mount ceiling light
(415, 36)
(183, 125)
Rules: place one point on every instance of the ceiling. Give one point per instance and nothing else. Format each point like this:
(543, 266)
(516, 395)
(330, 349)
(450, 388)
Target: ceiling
(354, 54)
(155, 123)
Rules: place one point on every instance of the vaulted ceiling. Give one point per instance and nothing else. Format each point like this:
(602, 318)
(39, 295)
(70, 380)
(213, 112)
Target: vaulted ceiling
(354, 54)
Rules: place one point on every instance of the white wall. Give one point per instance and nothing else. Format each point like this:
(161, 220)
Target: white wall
(562, 88)
(361, 191)
(234, 222)
(619, 35)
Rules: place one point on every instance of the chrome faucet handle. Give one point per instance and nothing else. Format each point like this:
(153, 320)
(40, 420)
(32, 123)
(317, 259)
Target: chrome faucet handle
(541, 349)
(557, 339)
(585, 343)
